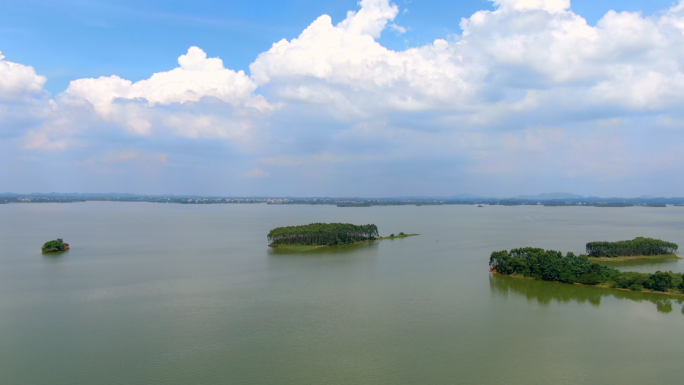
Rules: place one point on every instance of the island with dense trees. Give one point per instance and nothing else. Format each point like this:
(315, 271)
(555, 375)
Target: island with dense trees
(324, 234)
(639, 247)
(56, 246)
(550, 265)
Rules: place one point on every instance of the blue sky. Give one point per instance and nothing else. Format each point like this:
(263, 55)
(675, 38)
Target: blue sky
(419, 97)
(72, 39)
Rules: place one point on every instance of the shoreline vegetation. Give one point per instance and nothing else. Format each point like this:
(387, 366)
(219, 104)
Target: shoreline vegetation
(295, 247)
(553, 266)
(600, 286)
(55, 247)
(639, 247)
(635, 257)
(317, 235)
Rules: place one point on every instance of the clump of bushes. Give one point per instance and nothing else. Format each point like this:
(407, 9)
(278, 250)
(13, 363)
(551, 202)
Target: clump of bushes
(56, 246)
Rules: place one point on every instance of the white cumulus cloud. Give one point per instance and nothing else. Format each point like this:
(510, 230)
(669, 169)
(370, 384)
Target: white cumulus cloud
(371, 19)
(343, 64)
(526, 5)
(197, 77)
(523, 46)
(166, 103)
(18, 80)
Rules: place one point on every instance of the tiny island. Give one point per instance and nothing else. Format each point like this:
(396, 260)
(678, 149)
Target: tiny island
(56, 246)
(315, 235)
(638, 248)
(551, 265)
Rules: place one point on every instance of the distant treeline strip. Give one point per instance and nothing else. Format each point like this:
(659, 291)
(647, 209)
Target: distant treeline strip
(592, 204)
(322, 234)
(550, 265)
(637, 246)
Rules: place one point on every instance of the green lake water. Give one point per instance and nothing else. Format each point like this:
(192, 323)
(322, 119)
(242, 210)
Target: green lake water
(191, 294)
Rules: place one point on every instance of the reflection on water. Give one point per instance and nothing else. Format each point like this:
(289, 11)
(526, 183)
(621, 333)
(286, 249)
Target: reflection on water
(546, 292)
(665, 307)
(318, 261)
(54, 258)
(341, 249)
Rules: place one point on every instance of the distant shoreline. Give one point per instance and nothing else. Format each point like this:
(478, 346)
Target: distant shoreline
(544, 200)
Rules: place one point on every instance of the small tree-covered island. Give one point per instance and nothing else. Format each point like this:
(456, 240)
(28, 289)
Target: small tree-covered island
(639, 247)
(56, 246)
(550, 265)
(316, 235)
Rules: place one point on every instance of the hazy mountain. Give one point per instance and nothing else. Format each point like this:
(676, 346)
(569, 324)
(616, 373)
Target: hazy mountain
(467, 197)
(549, 196)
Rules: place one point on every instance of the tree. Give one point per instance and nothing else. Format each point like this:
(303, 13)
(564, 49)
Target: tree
(590, 279)
(322, 234)
(55, 246)
(662, 281)
(637, 246)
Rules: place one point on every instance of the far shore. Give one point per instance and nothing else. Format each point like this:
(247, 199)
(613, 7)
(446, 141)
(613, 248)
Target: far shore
(313, 247)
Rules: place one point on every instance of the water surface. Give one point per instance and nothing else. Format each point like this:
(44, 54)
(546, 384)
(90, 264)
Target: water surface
(178, 294)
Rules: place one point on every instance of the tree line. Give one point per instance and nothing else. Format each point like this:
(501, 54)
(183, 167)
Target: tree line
(322, 234)
(550, 265)
(637, 246)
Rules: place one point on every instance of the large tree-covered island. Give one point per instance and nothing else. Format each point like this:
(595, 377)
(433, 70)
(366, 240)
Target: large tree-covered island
(56, 246)
(324, 234)
(639, 247)
(550, 265)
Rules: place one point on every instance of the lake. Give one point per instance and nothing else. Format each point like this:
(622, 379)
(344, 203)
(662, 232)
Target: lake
(191, 294)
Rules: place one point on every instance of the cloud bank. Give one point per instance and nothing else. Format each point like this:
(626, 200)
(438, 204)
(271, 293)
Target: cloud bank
(528, 95)
(18, 81)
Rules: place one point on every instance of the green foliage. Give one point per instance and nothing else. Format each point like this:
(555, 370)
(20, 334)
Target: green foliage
(550, 265)
(637, 246)
(663, 281)
(590, 279)
(402, 233)
(55, 246)
(391, 235)
(322, 234)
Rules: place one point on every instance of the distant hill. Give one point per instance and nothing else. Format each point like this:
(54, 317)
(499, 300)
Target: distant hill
(467, 197)
(459, 197)
(549, 196)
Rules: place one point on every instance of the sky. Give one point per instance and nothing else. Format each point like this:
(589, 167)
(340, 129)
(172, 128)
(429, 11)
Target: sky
(374, 98)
